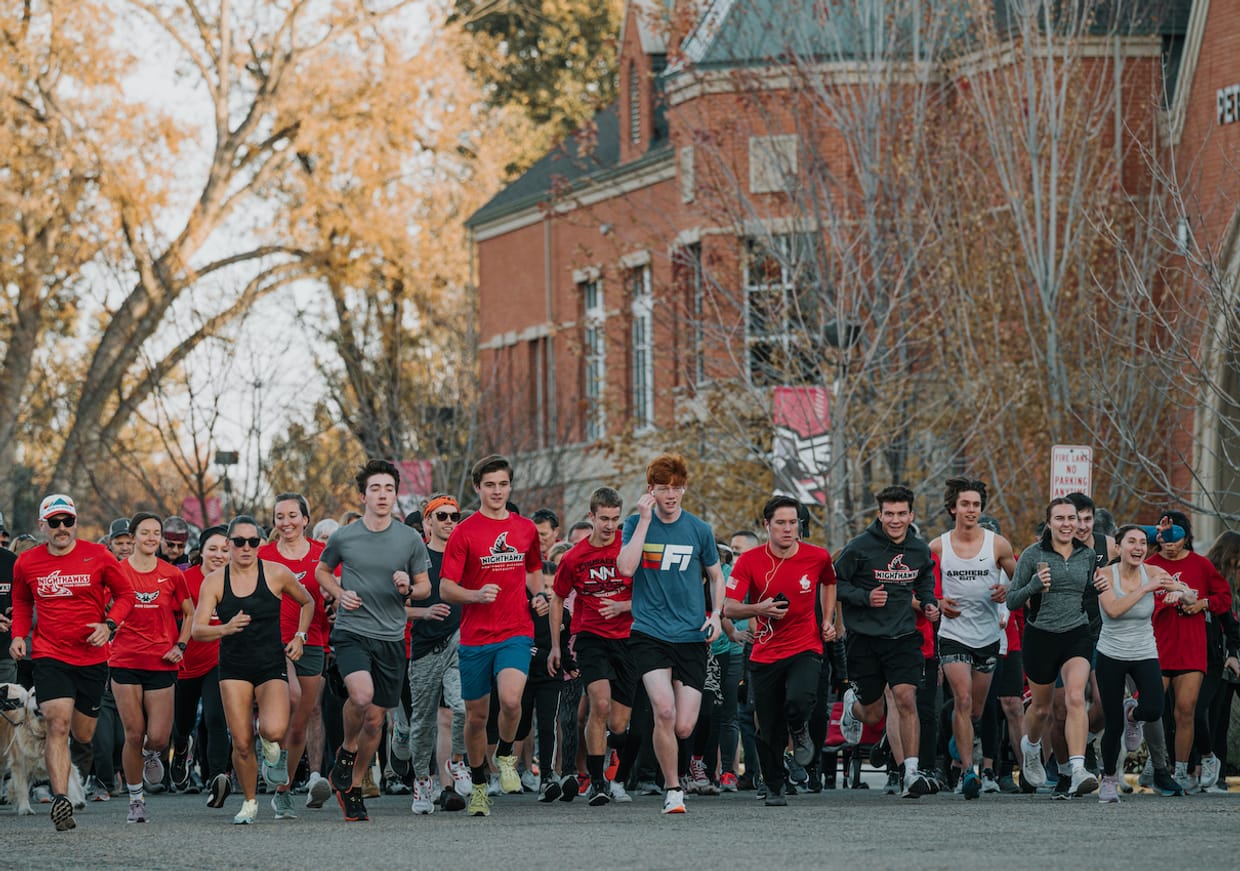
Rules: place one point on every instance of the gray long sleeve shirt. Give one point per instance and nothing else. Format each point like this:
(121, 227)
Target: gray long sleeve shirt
(1062, 607)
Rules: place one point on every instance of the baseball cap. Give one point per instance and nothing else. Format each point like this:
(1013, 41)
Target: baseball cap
(176, 529)
(120, 526)
(57, 503)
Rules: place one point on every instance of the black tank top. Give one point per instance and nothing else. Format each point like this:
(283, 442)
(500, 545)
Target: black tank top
(257, 648)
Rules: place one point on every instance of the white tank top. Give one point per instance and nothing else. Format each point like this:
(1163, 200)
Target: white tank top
(969, 582)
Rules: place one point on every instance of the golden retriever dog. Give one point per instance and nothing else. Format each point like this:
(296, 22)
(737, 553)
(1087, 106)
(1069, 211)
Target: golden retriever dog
(25, 744)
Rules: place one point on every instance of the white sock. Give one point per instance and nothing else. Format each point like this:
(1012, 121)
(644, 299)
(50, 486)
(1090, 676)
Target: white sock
(1077, 763)
(910, 766)
(1033, 745)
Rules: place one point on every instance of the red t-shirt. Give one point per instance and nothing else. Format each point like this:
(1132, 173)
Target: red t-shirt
(758, 572)
(151, 629)
(483, 551)
(70, 591)
(1015, 630)
(200, 656)
(1182, 638)
(290, 610)
(591, 572)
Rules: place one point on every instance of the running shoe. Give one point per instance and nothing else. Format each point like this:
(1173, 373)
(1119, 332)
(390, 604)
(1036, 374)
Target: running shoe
(96, 791)
(727, 782)
(760, 791)
(479, 803)
(395, 786)
(137, 811)
(41, 793)
(352, 805)
(618, 793)
(813, 781)
(583, 784)
(1134, 730)
(570, 787)
(699, 780)
(422, 803)
(933, 780)
(248, 813)
(1008, 785)
(776, 798)
(648, 787)
(62, 814)
(1210, 767)
(275, 773)
(1146, 777)
(400, 750)
(796, 771)
(318, 790)
(613, 765)
(221, 787)
(850, 726)
(971, 785)
(342, 770)
(493, 787)
(152, 769)
(989, 784)
(802, 744)
(893, 783)
(451, 800)
(549, 790)
(1108, 791)
(195, 785)
(674, 801)
(598, 794)
(461, 777)
(916, 785)
(509, 780)
(1063, 788)
(1083, 782)
(370, 789)
(181, 765)
(529, 781)
(1032, 772)
(1164, 784)
(282, 805)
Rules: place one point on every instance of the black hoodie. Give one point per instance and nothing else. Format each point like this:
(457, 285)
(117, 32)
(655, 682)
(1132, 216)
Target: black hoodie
(904, 570)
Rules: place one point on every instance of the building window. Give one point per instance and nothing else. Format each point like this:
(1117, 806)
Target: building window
(635, 105)
(641, 348)
(784, 307)
(772, 164)
(595, 357)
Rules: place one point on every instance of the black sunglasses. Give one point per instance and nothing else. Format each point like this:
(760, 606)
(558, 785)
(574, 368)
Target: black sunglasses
(242, 541)
(441, 516)
(66, 521)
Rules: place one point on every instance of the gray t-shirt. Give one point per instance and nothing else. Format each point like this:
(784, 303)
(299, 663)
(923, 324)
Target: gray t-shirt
(369, 559)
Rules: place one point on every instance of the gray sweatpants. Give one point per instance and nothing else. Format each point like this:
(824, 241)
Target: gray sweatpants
(434, 678)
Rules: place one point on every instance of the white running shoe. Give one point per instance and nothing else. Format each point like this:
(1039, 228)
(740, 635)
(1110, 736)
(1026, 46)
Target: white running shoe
(248, 813)
(318, 790)
(618, 793)
(460, 776)
(1083, 782)
(422, 801)
(1032, 772)
(152, 768)
(674, 801)
(850, 726)
(1210, 767)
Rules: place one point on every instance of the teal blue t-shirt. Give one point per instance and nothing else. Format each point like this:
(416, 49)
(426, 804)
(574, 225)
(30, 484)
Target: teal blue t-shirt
(668, 598)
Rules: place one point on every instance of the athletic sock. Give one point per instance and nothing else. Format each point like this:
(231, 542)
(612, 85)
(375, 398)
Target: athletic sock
(135, 792)
(1077, 763)
(594, 765)
(503, 748)
(478, 774)
(910, 766)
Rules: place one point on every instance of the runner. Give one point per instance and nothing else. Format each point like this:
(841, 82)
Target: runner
(1051, 576)
(239, 605)
(490, 564)
(70, 582)
(781, 580)
(384, 565)
(300, 555)
(198, 681)
(1126, 649)
(146, 653)
(667, 551)
(602, 621)
(976, 566)
(880, 574)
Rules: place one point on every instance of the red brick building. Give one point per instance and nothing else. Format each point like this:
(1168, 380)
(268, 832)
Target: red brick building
(634, 275)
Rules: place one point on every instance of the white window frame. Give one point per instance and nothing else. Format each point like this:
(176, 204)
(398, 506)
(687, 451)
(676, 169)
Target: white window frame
(788, 247)
(642, 345)
(595, 356)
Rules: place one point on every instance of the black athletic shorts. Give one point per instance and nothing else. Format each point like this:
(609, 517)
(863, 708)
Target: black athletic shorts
(1046, 652)
(686, 659)
(384, 660)
(1010, 676)
(607, 659)
(148, 679)
(875, 663)
(313, 662)
(983, 660)
(84, 684)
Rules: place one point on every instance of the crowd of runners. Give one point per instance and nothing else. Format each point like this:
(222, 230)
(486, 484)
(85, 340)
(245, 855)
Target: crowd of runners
(459, 655)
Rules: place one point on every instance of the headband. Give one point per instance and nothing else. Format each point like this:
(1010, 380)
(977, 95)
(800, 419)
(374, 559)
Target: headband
(439, 502)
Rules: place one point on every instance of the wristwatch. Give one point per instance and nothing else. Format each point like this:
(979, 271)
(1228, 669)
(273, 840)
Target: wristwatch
(182, 645)
(300, 635)
(111, 624)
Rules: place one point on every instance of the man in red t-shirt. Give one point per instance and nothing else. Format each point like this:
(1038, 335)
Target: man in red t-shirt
(492, 558)
(780, 581)
(71, 583)
(602, 618)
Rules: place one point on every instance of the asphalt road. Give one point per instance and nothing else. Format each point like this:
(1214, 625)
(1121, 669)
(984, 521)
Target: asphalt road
(836, 829)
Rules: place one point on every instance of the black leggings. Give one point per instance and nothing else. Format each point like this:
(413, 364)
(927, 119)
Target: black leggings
(215, 727)
(541, 697)
(1111, 673)
(784, 693)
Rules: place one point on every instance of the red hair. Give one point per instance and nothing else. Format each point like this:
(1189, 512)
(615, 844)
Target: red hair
(667, 469)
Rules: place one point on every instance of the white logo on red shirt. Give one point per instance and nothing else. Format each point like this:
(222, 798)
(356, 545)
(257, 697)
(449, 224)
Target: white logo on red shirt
(56, 585)
(502, 553)
(805, 583)
(146, 598)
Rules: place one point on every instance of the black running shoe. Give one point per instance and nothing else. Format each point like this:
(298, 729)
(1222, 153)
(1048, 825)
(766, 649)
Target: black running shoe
(62, 814)
(451, 800)
(342, 770)
(221, 787)
(569, 788)
(550, 790)
(598, 794)
(352, 805)
(775, 798)
(1165, 784)
(1063, 788)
